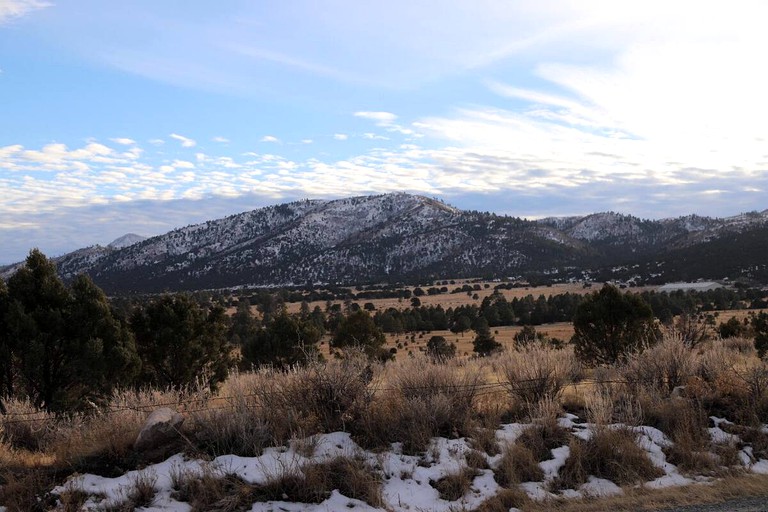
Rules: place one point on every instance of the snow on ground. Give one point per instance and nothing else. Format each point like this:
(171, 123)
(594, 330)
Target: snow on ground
(407, 480)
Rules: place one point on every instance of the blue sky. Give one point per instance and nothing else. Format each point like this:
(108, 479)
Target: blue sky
(143, 116)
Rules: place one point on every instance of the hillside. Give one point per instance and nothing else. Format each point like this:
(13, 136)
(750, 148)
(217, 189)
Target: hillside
(396, 237)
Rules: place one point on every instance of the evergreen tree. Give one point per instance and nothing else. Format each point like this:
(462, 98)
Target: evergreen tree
(67, 344)
(609, 325)
(485, 343)
(439, 348)
(243, 326)
(179, 341)
(286, 341)
(359, 330)
(6, 353)
(760, 328)
(107, 345)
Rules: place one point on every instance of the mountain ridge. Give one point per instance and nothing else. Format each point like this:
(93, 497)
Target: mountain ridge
(392, 237)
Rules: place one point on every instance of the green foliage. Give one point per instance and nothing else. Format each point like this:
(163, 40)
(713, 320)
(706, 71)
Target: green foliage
(286, 341)
(760, 328)
(244, 327)
(439, 348)
(359, 330)
(463, 323)
(733, 328)
(6, 366)
(67, 344)
(609, 325)
(485, 343)
(179, 341)
(527, 336)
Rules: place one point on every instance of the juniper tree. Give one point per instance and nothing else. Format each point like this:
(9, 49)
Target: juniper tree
(179, 342)
(67, 344)
(284, 342)
(609, 325)
(485, 343)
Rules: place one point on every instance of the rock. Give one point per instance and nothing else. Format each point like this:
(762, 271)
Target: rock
(678, 392)
(161, 427)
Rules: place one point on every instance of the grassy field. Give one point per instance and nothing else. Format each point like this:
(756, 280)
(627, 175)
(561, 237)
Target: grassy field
(452, 300)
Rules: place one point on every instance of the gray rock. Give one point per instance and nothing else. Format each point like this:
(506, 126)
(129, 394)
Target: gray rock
(161, 427)
(678, 392)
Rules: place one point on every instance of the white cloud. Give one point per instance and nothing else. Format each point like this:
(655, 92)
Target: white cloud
(123, 140)
(269, 138)
(307, 141)
(374, 136)
(340, 136)
(386, 120)
(12, 9)
(185, 141)
(156, 142)
(380, 117)
(183, 164)
(222, 140)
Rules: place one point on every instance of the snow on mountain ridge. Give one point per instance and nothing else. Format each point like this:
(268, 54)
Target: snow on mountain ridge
(126, 240)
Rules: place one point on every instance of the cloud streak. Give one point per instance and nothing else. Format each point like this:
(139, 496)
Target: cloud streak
(13, 9)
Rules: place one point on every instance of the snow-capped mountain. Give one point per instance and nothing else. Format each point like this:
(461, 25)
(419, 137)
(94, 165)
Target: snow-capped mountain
(394, 237)
(126, 240)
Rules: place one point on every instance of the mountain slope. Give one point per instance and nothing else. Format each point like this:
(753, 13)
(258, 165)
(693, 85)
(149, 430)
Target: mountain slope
(397, 237)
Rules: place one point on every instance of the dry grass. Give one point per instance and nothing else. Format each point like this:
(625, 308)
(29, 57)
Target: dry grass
(641, 499)
(410, 401)
(661, 368)
(312, 483)
(454, 486)
(610, 453)
(518, 464)
(210, 491)
(537, 373)
(421, 399)
(504, 500)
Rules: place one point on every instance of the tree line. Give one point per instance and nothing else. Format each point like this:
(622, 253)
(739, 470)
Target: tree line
(67, 346)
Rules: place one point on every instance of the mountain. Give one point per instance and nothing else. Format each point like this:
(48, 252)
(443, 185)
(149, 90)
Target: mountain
(126, 240)
(397, 237)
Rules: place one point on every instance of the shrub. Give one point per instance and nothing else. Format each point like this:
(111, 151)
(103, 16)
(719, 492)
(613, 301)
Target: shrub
(321, 397)
(536, 373)
(662, 367)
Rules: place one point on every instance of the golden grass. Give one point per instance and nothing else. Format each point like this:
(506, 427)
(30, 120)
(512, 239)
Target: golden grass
(640, 499)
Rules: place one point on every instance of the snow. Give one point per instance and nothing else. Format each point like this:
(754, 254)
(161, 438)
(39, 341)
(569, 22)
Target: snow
(600, 487)
(126, 240)
(552, 467)
(407, 480)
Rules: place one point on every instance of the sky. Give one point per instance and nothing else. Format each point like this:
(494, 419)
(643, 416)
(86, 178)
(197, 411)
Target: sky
(144, 116)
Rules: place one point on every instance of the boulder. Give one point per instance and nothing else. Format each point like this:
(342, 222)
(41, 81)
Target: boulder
(160, 428)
